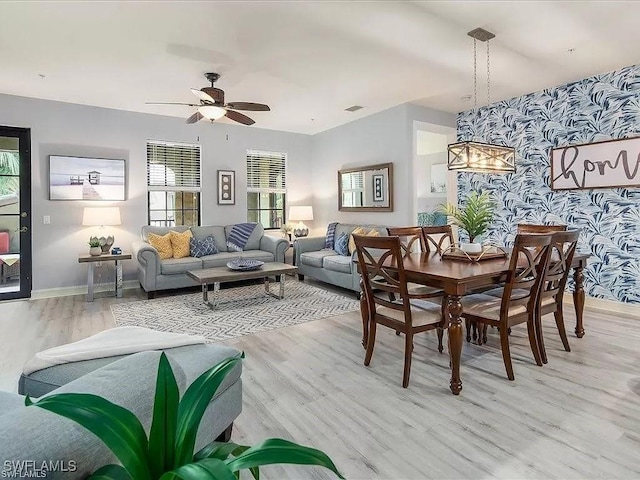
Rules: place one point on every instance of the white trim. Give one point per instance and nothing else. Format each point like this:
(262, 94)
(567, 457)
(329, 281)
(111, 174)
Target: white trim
(80, 290)
(611, 306)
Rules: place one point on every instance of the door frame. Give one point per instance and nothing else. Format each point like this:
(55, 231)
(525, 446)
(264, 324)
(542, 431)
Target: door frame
(24, 141)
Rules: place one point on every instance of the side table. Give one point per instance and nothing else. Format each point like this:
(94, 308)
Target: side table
(91, 261)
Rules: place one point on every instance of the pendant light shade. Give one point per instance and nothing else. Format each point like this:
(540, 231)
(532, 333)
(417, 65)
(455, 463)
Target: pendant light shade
(481, 158)
(212, 112)
(473, 156)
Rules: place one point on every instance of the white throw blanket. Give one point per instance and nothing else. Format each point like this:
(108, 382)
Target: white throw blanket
(110, 343)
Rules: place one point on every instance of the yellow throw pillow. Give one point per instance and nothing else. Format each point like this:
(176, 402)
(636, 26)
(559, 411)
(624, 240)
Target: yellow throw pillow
(352, 242)
(162, 243)
(373, 233)
(180, 243)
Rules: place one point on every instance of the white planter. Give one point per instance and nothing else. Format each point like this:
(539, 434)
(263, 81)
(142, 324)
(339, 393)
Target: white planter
(471, 247)
(95, 251)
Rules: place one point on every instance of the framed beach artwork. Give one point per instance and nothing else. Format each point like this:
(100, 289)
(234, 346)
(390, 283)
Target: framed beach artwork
(83, 178)
(226, 187)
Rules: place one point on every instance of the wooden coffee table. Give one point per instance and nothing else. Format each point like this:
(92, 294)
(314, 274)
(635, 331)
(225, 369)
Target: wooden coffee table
(218, 275)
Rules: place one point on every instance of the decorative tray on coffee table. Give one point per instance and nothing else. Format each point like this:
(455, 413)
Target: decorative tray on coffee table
(488, 252)
(245, 264)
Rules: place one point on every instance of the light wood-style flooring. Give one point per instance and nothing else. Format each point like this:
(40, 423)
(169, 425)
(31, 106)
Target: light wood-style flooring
(577, 417)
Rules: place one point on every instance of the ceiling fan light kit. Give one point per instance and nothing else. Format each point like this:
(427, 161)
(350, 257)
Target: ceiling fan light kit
(212, 106)
(473, 156)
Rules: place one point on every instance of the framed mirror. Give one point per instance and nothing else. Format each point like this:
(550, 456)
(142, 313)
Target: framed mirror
(366, 189)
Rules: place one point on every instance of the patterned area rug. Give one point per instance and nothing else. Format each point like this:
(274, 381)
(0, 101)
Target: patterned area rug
(242, 311)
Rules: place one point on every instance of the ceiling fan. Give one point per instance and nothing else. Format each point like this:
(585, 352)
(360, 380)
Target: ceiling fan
(212, 106)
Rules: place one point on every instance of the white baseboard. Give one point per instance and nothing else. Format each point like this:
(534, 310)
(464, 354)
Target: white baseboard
(627, 309)
(79, 290)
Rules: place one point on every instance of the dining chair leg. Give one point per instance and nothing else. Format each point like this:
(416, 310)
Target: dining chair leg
(484, 333)
(364, 313)
(371, 342)
(408, 353)
(467, 324)
(533, 339)
(540, 338)
(561, 330)
(440, 331)
(506, 353)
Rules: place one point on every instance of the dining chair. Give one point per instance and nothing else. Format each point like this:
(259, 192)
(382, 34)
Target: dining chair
(407, 313)
(563, 248)
(532, 228)
(409, 238)
(520, 296)
(439, 237)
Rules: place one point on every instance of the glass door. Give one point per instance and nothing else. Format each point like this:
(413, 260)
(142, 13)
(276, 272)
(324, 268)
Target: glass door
(15, 213)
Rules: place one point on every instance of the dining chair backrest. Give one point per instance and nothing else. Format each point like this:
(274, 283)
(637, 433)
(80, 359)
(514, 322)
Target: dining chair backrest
(531, 228)
(563, 248)
(438, 237)
(410, 238)
(527, 268)
(373, 252)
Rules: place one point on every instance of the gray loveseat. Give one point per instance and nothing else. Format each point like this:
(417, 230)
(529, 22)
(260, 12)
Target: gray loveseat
(155, 274)
(36, 435)
(315, 261)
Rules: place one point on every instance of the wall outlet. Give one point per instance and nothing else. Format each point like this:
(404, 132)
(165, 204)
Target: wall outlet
(46, 219)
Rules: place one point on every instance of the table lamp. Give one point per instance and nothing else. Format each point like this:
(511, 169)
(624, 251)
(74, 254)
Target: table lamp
(102, 216)
(300, 213)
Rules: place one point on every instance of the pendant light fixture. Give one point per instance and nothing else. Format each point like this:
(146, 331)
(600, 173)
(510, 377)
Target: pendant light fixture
(471, 156)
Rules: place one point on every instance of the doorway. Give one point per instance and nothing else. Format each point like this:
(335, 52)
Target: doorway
(15, 213)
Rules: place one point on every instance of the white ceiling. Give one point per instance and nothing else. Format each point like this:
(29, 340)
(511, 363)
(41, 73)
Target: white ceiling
(307, 60)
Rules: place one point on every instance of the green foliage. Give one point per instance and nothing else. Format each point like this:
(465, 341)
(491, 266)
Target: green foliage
(476, 215)
(168, 453)
(9, 165)
(94, 242)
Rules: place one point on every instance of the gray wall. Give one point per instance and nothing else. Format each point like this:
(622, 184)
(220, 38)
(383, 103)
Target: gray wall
(383, 137)
(68, 129)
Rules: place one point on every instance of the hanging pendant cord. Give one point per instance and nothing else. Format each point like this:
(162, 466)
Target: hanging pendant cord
(488, 77)
(475, 77)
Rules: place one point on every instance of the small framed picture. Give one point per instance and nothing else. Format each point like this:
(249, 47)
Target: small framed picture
(226, 187)
(378, 188)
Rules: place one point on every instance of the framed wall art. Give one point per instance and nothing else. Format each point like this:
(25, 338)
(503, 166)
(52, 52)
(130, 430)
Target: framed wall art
(82, 178)
(607, 164)
(378, 187)
(226, 187)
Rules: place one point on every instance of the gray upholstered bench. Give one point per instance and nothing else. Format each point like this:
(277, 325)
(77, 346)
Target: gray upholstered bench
(37, 435)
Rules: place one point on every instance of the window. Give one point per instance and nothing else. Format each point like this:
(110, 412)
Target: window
(266, 188)
(173, 183)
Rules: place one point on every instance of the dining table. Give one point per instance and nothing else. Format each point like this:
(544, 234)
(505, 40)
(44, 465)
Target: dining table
(458, 278)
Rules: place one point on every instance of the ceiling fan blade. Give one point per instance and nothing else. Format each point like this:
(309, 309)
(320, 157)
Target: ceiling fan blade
(196, 117)
(253, 107)
(205, 97)
(173, 103)
(239, 117)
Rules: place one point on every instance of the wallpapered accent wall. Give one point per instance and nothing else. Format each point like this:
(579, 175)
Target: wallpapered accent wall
(601, 107)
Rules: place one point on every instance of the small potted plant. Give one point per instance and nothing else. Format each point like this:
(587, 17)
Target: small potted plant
(474, 218)
(94, 246)
(286, 230)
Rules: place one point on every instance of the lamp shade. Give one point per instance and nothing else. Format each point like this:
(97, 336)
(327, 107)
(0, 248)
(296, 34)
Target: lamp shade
(301, 212)
(93, 216)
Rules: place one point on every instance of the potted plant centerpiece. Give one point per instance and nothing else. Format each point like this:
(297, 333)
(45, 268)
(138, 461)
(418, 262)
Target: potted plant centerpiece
(94, 246)
(474, 218)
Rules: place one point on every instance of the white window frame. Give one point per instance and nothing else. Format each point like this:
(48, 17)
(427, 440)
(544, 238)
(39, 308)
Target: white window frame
(266, 155)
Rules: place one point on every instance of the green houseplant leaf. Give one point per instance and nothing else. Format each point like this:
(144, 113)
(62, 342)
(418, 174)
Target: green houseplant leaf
(111, 472)
(117, 427)
(165, 419)
(475, 217)
(207, 469)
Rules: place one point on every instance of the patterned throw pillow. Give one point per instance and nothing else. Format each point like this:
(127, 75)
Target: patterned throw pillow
(180, 243)
(200, 248)
(162, 243)
(330, 239)
(342, 245)
(352, 242)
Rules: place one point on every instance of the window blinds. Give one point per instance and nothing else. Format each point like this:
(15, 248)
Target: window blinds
(266, 172)
(173, 166)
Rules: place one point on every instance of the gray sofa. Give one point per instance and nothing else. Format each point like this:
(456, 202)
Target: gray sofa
(36, 435)
(155, 274)
(314, 261)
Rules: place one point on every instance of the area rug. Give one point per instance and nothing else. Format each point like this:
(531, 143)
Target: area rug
(242, 311)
